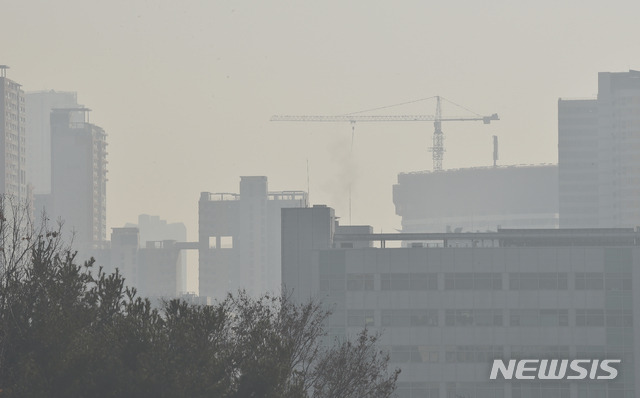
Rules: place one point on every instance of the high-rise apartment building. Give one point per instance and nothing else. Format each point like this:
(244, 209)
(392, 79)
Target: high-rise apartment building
(239, 238)
(79, 177)
(13, 178)
(39, 105)
(599, 155)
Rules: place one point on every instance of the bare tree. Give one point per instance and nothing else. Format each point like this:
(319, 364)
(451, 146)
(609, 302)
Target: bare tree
(20, 236)
(282, 352)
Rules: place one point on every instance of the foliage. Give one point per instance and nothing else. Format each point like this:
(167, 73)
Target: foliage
(69, 330)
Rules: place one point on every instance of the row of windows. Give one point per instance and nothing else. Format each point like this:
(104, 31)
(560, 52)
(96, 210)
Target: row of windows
(487, 353)
(476, 390)
(417, 390)
(596, 317)
(547, 389)
(476, 281)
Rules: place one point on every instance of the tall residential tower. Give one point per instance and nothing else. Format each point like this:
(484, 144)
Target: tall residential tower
(39, 105)
(599, 155)
(12, 142)
(79, 177)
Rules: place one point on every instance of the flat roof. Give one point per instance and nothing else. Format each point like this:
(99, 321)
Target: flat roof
(514, 237)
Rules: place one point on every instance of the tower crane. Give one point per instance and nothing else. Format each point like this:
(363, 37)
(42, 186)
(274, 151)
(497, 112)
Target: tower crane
(438, 137)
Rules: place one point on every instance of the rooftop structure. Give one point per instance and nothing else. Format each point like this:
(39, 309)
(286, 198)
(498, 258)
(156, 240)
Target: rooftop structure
(478, 199)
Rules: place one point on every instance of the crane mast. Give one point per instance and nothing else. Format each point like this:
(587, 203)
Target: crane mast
(438, 139)
(437, 149)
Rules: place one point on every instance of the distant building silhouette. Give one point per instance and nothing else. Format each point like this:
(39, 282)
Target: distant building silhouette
(239, 238)
(154, 269)
(13, 179)
(478, 199)
(79, 177)
(39, 105)
(155, 230)
(599, 155)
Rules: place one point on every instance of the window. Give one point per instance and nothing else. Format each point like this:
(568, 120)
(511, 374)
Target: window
(589, 281)
(360, 318)
(473, 353)
(538, 281)
(409, 281)
(414, 354)
(473, 317)
(590, 317)
(359, 282)
(400, 318)
(473, 281)
(550, 317)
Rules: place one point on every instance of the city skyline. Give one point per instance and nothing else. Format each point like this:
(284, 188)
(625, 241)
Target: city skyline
(185, 92)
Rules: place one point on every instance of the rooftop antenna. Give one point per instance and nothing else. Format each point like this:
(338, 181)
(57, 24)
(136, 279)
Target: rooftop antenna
(308, 185)
(353, 133)
(495, 150)
(3, 70)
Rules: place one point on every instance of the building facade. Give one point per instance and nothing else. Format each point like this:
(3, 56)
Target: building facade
(153, 269)
(599, 155)
(239, 238)
(445, 313)
(157, 232)
(478, 199)
(13, 178)
(578, 163)
(39, 105)
(79, 177)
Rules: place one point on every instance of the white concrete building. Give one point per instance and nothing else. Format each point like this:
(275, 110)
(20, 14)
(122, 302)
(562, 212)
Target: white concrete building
(239, 238)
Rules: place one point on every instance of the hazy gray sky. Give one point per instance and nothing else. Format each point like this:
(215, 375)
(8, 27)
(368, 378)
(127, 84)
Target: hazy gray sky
(185, 89)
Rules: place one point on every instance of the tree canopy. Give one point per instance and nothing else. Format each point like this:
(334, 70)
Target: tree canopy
(71, 330)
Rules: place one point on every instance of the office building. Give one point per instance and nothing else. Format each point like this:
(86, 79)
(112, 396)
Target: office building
(446, 312)
(79, 177)
(239, 238)
(13, 179)
(478, 199)
(599, 155)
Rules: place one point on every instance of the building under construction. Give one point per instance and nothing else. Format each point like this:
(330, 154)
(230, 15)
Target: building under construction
(478, 199)
(239, 238)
